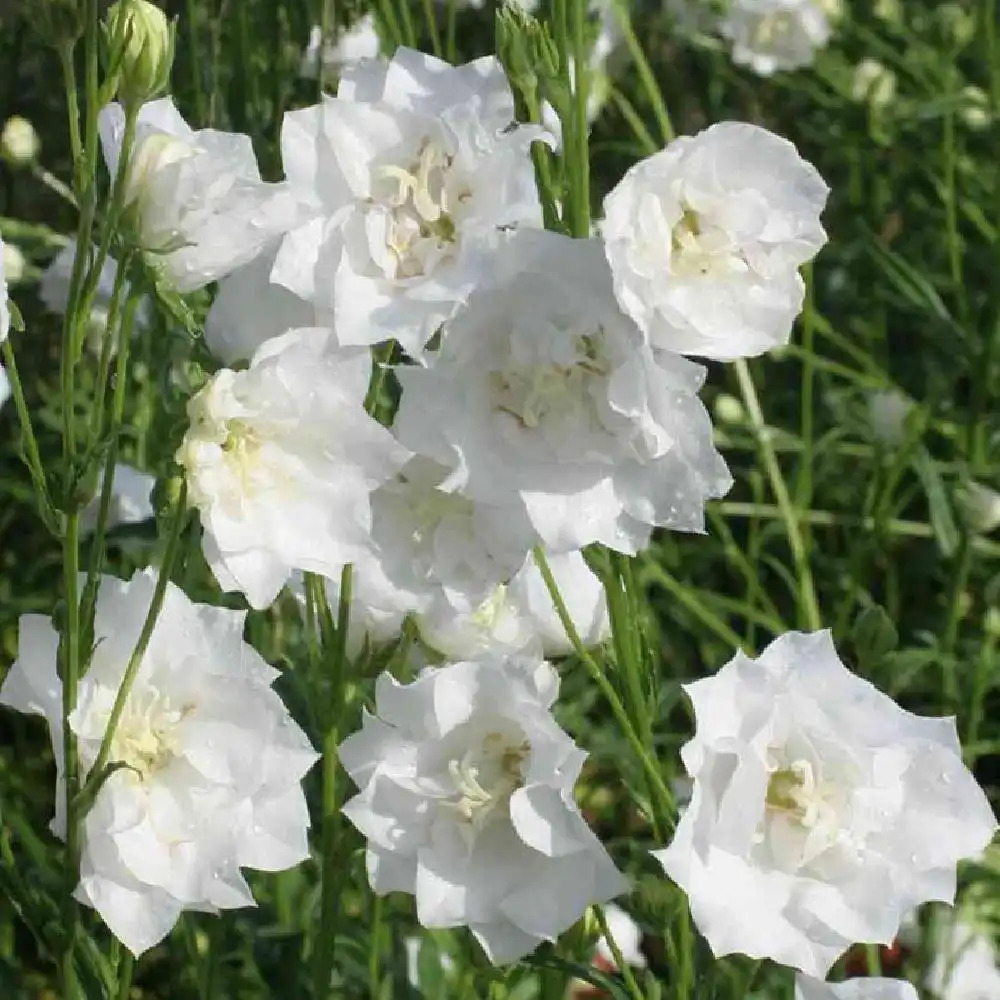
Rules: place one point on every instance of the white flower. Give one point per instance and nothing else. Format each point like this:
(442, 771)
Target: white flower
(467, 802)
(54, 287)
(358, 42)
(280, 460)
(520, 615)
(250, 309)
(131, 502)
(196, 198)
(213, 760)
(822, 812)
(429, 542)
(5, 391)
(543, 393)
(409, 175)
(854, 989)
(979, 506)
(965, 963)
(705, 239)
(772, 35)
(14, 263)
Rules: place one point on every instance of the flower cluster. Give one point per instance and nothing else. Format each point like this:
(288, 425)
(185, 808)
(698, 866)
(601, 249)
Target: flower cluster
(532, 395)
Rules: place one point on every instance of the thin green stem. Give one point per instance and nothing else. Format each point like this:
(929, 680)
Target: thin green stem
(146, 633)
(803, 485)
(111, 458)
(646, 76)
(953, 618)
(71, 771)
(125, 976)
(690, 602)
(624, 968)
(430, 18)
(662, 801)
(31, 453)
(331, 863)
(580, 133)
(809, 606)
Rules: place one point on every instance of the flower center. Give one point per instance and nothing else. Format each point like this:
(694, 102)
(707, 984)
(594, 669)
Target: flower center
(145, 737)
(485, 777)
(422, 229)
(795, 792)
(772, 30)
(699, 248)
(533, 394)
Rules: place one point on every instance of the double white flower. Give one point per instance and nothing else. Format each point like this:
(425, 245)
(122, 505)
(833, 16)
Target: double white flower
(822, 812)
(212, 760)
(467, 802)
(280, 460)
(408, 176)
(195, 199)
(705, 239)
(772, 35)
(543, 393)
(854, 989)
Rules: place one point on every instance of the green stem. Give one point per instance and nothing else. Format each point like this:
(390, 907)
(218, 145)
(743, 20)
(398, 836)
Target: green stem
(70, 681)
(580, 134)
(31, 452)
(111, 459)
(662, 802)
(646, 76)
(430, 16)
(146, 633)
(331, 864)
(623, 967)
(125, 976)
(809, 606)
(953, 619)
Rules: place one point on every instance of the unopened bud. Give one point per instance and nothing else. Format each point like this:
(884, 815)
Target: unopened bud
(728, 409)
(14, 264)
(19, 142)
(975, 108)
(873, 83)
(140, 50)
(980, 506)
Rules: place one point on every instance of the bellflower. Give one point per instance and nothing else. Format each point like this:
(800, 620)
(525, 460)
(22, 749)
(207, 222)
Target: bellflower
(467, 803)
(280, 460)
(430, 543)
(705, 239)
(408, 176)
(854, 989)
(772, 35)
(212, 760)
(544, 393)
(520, 615)
(822, 812)
(195, 199)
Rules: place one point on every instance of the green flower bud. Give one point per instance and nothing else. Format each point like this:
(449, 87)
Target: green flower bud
(19, 142)
(140, 44)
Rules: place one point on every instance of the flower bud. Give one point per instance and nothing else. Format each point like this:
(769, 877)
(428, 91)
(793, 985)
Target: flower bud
(874, 83)
(890, 11)
(19, 142)
(728, 409)
(975, 108)
(141, 50)
(57, 22)
(980, 506)
(14, 264)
